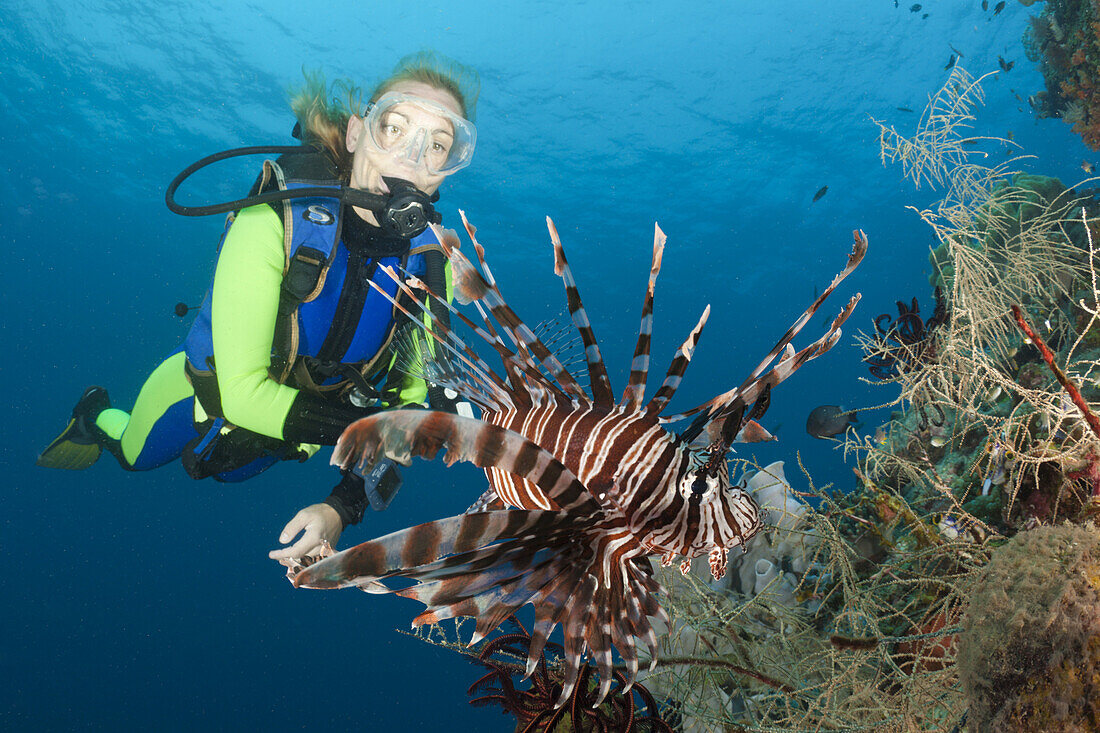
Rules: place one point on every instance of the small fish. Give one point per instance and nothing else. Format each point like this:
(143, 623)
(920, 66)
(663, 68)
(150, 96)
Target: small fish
(996, 393)
(1006, 66)
(914, 8)
(969, 142)
(881, 435)
(904, 109)
(950, 62)
(1017, 95)
(924, 17)
(1087, 166)
(895, 3)
(985, 4)
(1010, 135)
(825, 421)
(957, 51)
(820, 192)
(999, 7)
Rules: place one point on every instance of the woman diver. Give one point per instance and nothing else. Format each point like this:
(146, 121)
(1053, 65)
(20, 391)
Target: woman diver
(292, 343)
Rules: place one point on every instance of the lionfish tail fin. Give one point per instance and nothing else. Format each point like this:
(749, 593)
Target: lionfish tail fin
(634, 393)
(402, 434)
(724, 404)
(597, 371)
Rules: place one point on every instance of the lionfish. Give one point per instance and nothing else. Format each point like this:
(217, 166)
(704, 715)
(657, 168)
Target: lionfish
(595, 486)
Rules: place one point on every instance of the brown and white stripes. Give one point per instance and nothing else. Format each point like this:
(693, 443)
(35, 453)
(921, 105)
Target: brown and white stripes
(594, 487)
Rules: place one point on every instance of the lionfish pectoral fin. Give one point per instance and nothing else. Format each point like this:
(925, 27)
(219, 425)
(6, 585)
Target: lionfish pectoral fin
(402, 434)
(425, 543)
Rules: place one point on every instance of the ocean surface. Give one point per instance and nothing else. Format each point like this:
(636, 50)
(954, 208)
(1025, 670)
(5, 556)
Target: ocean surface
(145, 601)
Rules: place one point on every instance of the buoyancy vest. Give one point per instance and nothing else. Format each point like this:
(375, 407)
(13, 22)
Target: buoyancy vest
(314, 331)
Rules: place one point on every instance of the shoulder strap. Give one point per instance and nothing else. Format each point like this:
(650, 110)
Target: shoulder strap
(311, 232)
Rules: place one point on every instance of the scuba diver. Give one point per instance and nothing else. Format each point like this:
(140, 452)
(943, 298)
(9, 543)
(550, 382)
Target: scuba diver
(292, 343)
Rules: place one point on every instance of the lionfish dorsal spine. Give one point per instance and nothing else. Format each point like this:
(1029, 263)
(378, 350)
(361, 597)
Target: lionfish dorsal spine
(634, 394)
(597, 372)
(527, 343)
(487, 390)
(748, 391)
(677, 368)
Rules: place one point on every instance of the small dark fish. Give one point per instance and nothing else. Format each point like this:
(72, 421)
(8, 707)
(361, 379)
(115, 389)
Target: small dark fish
(904, 109)
(957, 51)
(825, 421)
(924, 17)
(999, 7)
(950, 62)
(970, 142)
(1006, 66)
(895, 3)
(914, 8)
(1010, 135)
(820, 192)
(985, 4)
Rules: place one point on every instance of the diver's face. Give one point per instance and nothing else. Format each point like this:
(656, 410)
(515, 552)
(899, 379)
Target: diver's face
(369, 164)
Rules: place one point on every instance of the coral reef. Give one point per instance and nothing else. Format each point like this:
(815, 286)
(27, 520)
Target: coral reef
(1064, 39)
(1029, 656)
(906, 343)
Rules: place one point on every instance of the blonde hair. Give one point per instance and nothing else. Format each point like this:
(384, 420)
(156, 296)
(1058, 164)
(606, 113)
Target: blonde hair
(323, 109)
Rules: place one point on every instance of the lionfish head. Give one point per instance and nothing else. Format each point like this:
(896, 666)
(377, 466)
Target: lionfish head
(705, 513)
(727, 515)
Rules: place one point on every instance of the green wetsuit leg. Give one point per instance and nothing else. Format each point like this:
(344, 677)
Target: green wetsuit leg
(161, 422)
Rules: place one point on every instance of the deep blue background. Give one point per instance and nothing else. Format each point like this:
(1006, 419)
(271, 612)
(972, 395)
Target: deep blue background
(147, 600)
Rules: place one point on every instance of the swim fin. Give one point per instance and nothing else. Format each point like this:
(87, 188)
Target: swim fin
(79, 444)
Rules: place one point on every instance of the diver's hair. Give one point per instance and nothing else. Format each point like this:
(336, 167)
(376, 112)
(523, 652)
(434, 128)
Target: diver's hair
(323, 109)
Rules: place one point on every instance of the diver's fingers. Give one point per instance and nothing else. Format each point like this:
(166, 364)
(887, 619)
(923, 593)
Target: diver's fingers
(308, 544)
(294, 526)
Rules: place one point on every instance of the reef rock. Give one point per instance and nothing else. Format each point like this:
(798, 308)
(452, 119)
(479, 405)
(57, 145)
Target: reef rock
(1029, 656)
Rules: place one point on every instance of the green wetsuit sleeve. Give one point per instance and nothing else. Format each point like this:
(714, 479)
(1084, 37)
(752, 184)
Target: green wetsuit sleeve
(246, 291)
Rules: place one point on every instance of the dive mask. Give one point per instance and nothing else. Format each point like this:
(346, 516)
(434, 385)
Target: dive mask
(419, 132)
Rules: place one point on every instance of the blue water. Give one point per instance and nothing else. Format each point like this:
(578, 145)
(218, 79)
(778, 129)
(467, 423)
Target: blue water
(146, 601)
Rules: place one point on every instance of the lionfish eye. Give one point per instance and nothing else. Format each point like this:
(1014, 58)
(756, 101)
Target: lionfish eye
(699, 485)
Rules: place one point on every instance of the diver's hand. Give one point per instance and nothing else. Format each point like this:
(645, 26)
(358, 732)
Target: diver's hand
(319, 522)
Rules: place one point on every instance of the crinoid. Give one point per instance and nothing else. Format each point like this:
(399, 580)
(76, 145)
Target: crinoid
(907, 342)
(626, 708)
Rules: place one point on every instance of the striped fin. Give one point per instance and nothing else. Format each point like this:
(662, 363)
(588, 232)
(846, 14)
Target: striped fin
(402, 434)
(513, 365)
(639, 367)
(487, 502)
(490, 564)
(754, 383)
(601, 385)
(487, 390)
(524, 338)
(677, 368)
(538, 382)
(421, 545)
